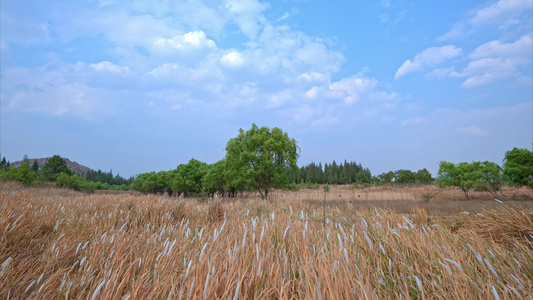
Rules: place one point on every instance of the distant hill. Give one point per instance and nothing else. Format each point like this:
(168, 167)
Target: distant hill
(73, 166)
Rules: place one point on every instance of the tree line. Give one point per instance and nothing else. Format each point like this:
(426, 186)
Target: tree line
(333, 173)
(488, 176)
(261, 159)
(56, 170)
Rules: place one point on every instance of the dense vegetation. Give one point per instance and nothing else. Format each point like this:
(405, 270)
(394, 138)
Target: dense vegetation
(261, 159)
(56, 170)
(333, 173)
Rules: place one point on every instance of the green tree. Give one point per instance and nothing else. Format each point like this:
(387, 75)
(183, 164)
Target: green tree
(54, 166)
(63, 180)
(26, 160)
(406, 177)
(187, 178)
(518, 167)
(258, 159)
(386, 178)
(491, 178)
(35, 166)
(151, 182)
(3, 164)
(213, 180)
(466, 176)
(21, 174)
(424, 177)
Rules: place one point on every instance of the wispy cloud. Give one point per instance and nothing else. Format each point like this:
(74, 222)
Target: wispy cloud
(500, 11)
(505, 12)
(472, 130)
(429, 57)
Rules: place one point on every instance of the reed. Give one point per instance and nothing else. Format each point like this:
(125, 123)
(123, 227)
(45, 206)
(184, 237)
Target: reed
(59, 244)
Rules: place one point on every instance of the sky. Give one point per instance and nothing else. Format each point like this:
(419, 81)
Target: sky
(137, 86)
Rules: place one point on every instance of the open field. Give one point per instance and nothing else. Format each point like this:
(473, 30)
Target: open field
(62, 244)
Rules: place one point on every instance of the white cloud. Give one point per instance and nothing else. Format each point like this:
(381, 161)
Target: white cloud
(521, 48)
(285, 16)
(312, 92)
(459, 30)
(128, 30)
(233, 60)
(487, 70)
(494, 61)
(58, 100)
(248, 15)
(508, 13)
(472, 130)
(501, 10)
(189, 42)
(314, 77)
(351, 89)
(279, 99)
(429, 57)
(160, 53)
(107, 66)
(440, 73)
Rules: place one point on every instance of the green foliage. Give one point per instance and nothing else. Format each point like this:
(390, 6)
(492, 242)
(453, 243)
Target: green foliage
(75, 182)
(4, 164)
(63, 180)
(491, 177)
(326, 188)
(518, 167)
(21, 174)
(404, 177)
(107, 177)
(213, 181)
(385, 178)
(152, 183)
(54, 166)
(481, 176)
(257, 159)
(343, 173)
(424, 177)
(187, 178)
(460, 175)
(35, 166)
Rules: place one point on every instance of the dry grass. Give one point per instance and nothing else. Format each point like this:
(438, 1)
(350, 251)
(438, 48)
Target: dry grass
(62, 244)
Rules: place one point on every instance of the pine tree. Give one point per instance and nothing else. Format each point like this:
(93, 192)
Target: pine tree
(35, 166)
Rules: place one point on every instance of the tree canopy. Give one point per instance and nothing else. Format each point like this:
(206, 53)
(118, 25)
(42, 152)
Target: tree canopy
(484, 176)
(54, 166)
(518, 167)
(258, 159)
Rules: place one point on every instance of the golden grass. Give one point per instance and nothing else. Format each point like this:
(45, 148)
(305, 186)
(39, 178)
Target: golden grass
(57, 244)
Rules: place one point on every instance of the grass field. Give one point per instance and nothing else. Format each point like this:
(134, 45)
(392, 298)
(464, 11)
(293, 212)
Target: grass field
(367, 243)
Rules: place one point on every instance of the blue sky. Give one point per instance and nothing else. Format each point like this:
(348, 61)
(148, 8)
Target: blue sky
(138, 86)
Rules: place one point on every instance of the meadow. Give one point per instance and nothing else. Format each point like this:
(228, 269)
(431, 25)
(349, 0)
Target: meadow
(368, 243)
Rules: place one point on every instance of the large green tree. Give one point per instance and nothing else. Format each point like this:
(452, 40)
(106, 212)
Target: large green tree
(518, 167)
(480, 176)
(54, 166)
(259, 157)
(187, 178)
(491, 177)
(461, 175)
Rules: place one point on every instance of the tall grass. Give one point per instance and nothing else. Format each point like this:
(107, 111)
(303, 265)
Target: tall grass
(57, 245)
